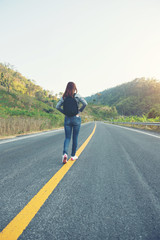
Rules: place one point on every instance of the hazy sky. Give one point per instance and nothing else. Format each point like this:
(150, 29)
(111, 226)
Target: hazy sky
(97, 44)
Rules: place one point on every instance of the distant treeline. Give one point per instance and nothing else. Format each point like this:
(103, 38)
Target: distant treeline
(138, 97)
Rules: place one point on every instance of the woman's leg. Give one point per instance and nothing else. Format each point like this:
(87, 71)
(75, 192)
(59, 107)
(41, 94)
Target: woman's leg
(68, 131)
(76, 128)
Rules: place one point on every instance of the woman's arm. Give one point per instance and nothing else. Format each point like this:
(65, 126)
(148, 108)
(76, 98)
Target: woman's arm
(59, 105)
(83, 101)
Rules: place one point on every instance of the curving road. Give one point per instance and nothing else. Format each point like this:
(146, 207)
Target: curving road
(111, 192)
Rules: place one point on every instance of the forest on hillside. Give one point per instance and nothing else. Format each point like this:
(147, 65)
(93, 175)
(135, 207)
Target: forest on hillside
(22, 95)
(27, 107)
(24, 105)
(14, 81)
(138, 97)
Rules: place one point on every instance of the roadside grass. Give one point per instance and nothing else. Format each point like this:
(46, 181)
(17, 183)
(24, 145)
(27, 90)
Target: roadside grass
(21, 114)
(134, 119)
(19, 125)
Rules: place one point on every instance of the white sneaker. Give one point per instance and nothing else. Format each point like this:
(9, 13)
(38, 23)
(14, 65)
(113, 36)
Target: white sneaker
(64, 158)
(74, 158)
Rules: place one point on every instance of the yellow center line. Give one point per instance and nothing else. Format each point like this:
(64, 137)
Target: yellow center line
(15, 228)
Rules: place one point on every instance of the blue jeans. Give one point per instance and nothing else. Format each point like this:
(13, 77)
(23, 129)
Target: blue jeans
(71, 124)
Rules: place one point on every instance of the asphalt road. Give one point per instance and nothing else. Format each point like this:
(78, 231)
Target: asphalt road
(111, 192)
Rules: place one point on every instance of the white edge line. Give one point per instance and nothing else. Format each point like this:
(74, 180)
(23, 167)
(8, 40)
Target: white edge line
(30, 136)
(134, 130)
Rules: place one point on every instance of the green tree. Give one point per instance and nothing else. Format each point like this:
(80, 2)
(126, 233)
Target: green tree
(8, 80)
(39, 95)
(154, 112)
(2, 80)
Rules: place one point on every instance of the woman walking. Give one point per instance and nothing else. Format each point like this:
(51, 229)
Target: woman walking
(69, 106)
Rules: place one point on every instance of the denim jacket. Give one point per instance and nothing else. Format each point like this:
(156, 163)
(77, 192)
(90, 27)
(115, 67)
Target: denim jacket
(79, 100)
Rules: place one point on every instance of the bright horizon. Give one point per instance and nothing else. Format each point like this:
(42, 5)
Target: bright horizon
(96, 44)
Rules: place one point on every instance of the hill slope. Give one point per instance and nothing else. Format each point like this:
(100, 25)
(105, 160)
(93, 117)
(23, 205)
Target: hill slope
(26, 107)
(137, 97)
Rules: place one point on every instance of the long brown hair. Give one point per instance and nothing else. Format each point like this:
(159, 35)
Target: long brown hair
(70, 90)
